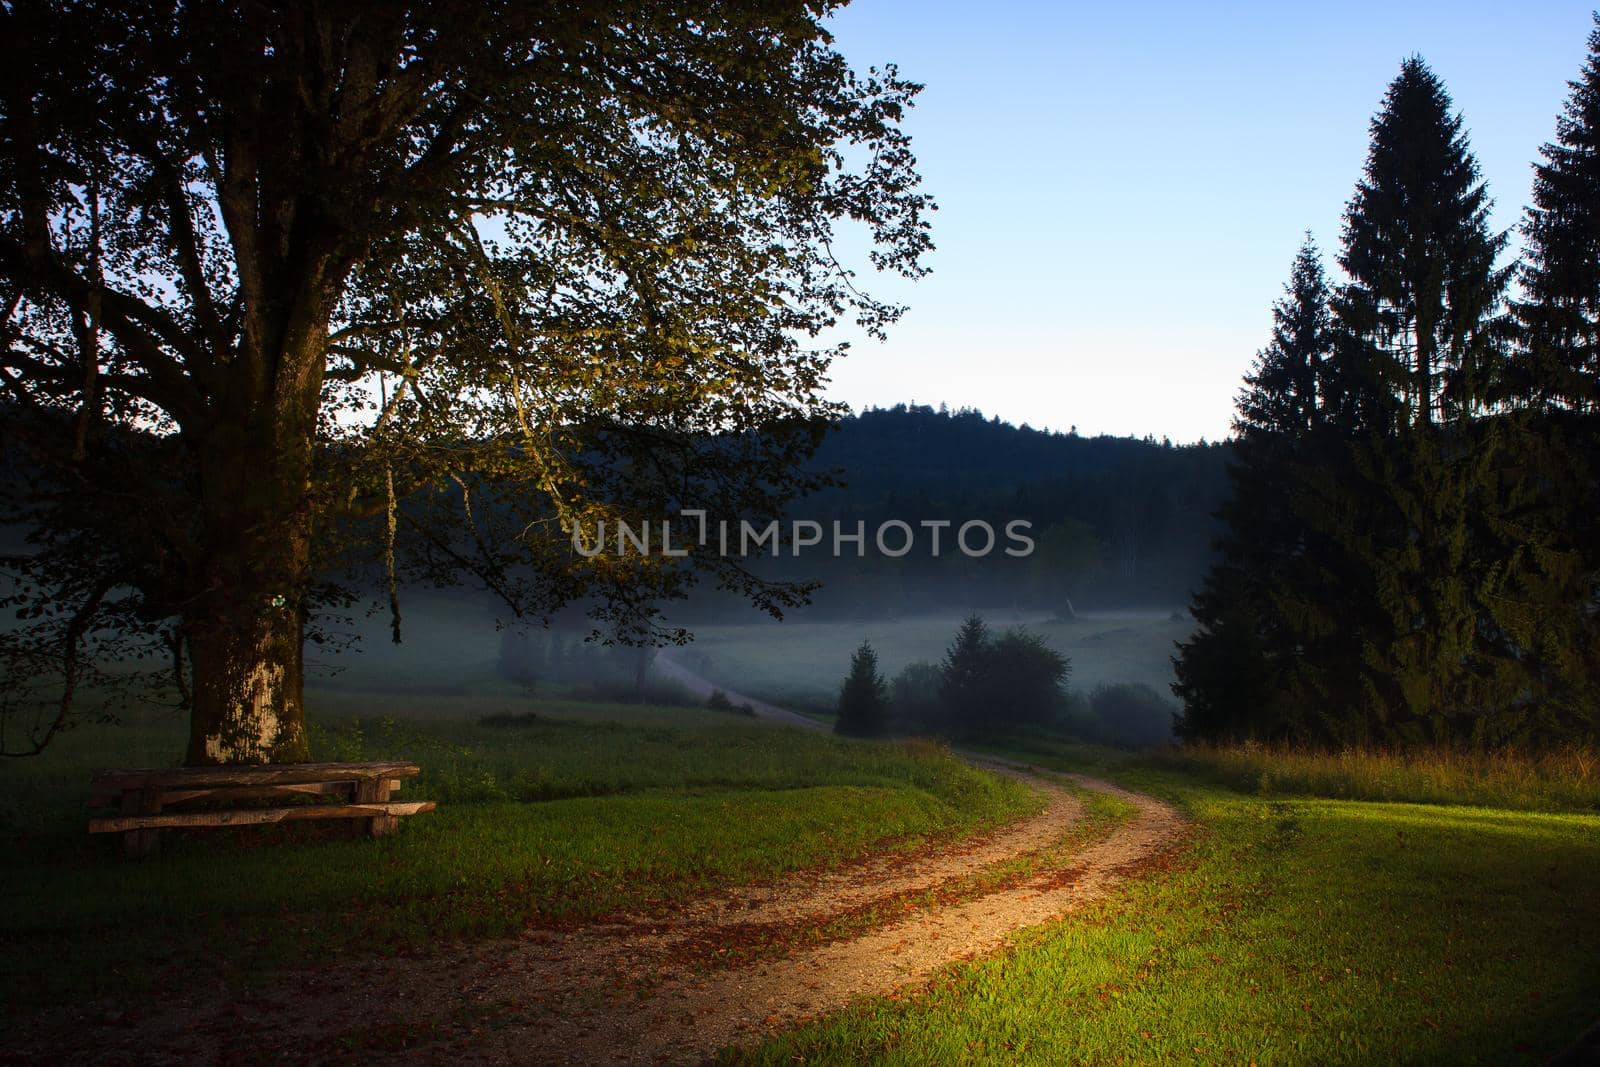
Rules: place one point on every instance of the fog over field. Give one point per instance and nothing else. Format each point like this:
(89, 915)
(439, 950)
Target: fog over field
(456, 655)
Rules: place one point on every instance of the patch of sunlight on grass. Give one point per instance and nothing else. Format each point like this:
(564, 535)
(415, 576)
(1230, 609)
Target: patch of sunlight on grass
(1293, 931)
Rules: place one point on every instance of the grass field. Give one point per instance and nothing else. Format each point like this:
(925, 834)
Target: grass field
(803, 663)
(1306, 931)
(584, 810)
(1565, 779)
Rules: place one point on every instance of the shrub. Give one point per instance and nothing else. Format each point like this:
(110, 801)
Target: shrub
(914, 696)
(510, 719)
(1026, 681)
(1000, 684)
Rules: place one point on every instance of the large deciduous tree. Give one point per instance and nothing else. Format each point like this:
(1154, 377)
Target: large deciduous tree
(283, 283)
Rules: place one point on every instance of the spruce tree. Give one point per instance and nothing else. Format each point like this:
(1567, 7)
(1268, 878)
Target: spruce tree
(964, 683)
(1550, 497)
(1559, 315)
(1279, 401)
(1372, 546)
(1234, 673)
(863, 699)
(1419, 312)
(1406, 507)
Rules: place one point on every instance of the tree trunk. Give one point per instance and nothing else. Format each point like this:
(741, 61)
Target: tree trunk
(246, 628)
(248, 679)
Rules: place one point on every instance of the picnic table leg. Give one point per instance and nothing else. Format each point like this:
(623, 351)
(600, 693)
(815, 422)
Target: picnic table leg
(375, 791)
(142, 842)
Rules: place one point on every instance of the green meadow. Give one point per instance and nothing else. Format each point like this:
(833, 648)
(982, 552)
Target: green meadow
(1359, 907)
(574, 812)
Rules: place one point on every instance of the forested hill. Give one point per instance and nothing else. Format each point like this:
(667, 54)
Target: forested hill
(1118, 520)
(910, 445)
(903, 448)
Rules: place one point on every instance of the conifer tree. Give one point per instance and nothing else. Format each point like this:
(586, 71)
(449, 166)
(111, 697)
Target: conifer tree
(1234, 673)
(864, 698)
(1550, 498)
(1371, 546)
(1419, 312)
(1405, 514)
(964, 682)
(1559, 316)
(1279, 400)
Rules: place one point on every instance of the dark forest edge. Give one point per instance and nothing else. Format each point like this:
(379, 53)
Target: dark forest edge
(1410, 554)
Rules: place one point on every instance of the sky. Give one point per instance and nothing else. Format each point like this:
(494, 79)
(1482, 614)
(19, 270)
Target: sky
(1122, 187)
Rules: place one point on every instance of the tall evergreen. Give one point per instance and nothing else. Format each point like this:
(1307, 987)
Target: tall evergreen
(1383, 573)
(1559, 314)
(1280, 400)
(1552, 501)
(1407, 511)
(1234, 674)
(864, 698)
(1419, 312)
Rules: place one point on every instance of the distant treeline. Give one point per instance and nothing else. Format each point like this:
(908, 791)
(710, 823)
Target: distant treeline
(1411, 551)
(991, 685)
(1115, 520)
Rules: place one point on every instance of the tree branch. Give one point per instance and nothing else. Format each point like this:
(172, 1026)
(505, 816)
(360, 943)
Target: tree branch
(126, 318)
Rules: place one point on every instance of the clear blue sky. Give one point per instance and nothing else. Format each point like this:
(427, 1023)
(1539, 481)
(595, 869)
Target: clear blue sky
(1122, 186)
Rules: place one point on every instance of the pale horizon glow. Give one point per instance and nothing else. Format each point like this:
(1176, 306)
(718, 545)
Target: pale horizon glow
(1121, 189)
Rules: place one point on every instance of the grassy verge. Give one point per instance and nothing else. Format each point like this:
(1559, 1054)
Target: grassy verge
(1289, 931)
(578, 812)
(1566, 779)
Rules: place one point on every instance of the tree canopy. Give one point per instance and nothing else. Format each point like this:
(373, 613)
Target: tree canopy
(289, 286)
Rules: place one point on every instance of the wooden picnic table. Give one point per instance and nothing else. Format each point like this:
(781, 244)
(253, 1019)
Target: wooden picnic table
(148, 801)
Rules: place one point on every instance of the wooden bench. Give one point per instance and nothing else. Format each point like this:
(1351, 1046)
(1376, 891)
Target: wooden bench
(148, 801)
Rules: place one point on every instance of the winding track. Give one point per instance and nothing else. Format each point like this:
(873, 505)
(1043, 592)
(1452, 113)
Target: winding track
(645, 989)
